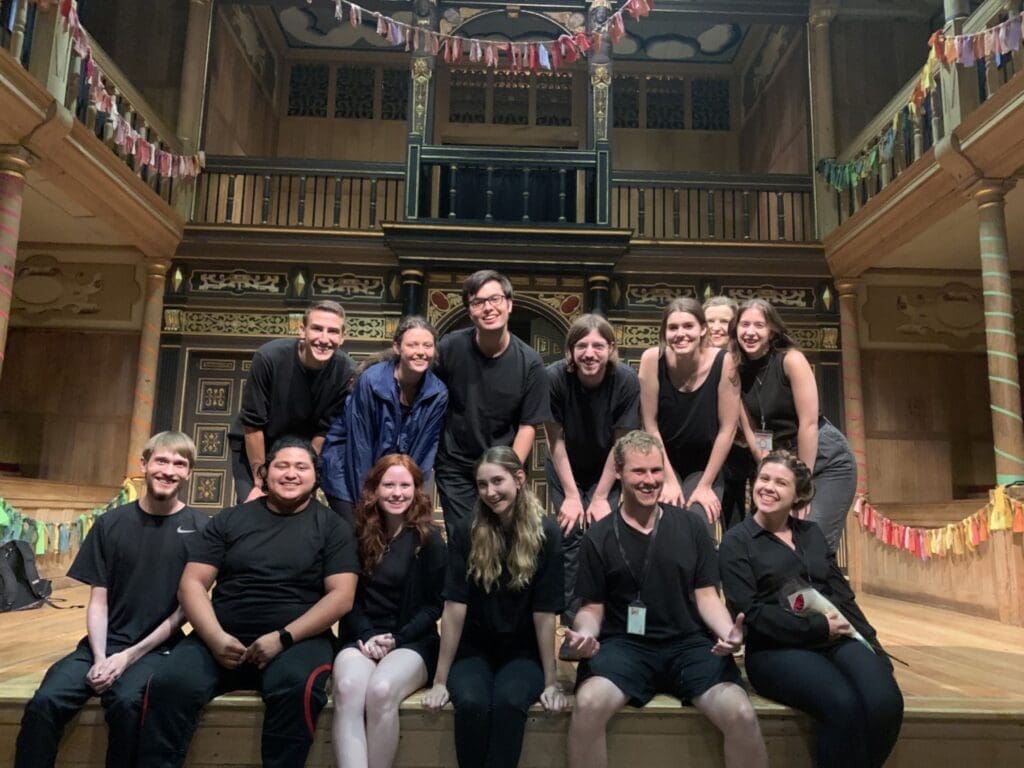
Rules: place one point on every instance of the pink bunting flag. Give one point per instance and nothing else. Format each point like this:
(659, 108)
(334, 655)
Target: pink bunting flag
(616, 28)
(556, 55)
(456, 49)
(382, 25)
(965, 50)
(435, 44)
(490, 55)
(475, 52)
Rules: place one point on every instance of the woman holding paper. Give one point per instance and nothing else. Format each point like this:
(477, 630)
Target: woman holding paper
(807, 660)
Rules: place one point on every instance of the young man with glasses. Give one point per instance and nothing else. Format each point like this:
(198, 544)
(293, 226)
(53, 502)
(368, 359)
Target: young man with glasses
(497, 394)
(595, 399)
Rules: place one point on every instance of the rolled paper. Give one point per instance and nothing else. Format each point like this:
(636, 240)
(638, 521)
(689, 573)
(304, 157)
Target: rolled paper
(808, 600)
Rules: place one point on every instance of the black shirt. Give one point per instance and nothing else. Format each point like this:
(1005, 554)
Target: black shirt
(403, 593)
(271, 567)
(684, 560)
(503, 618)
(768, 397)
(283, 397)
(755, 567)
(488, 397)
(590, 417)
(138, 558)
(688, 421)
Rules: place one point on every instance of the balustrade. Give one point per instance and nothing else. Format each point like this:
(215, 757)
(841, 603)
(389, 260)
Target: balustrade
(713, 206)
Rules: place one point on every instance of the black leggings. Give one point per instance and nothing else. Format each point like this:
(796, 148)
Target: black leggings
(491, 696)
(292, 686)
(848, 690)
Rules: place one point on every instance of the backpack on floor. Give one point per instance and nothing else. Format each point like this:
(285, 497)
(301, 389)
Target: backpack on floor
(20, 585)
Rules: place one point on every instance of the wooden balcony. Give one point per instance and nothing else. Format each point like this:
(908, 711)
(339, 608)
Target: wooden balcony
(490, 186)
(81, 186)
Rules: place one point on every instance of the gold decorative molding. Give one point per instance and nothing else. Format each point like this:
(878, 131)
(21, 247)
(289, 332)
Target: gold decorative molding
(600, 81)
(636, 335)
(779, 296)
(209, 323)
(421, 74)
(349, 286)
(238, 281)
(657, 295)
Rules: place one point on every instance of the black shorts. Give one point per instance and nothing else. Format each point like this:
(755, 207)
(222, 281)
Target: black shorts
(641, 668)
(426, 647)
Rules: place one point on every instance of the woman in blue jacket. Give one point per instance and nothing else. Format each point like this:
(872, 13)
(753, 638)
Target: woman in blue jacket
(397, 405)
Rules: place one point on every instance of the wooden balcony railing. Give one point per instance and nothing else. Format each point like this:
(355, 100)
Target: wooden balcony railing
(898, 137)
(25, 26)
(507, 184)
(271, 192)
(713, 206)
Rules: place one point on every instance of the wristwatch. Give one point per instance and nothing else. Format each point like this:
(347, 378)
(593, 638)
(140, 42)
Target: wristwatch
(287, 641)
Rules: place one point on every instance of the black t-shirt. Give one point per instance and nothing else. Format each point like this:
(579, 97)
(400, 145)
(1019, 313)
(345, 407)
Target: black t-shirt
(590, 417)
(138, 558)
(488, 397)
(503, 618)
(271, 568)
(283, 397)
(688, 421)
(684, 560)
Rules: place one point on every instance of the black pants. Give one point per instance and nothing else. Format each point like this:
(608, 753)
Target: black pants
(739, 466)
(572, 540)
(491, 694)
(292, 686)
(849, 691)
(240, 470)
(64, 691)
(458, 493)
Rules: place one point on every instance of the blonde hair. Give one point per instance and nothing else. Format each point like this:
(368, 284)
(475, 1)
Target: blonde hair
(490, 550)
(175, 442)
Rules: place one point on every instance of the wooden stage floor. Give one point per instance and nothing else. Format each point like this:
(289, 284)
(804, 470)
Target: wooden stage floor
(964, 683)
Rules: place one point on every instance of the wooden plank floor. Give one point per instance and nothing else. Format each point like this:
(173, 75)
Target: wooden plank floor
(964, 691)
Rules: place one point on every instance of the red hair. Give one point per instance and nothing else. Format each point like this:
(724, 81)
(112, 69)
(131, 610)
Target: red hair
(370, 529)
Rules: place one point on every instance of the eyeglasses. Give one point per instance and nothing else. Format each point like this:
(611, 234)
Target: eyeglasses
(495, 301)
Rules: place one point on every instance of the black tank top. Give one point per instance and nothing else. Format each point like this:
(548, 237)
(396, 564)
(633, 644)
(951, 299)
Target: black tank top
(768, 398)
(688, 421)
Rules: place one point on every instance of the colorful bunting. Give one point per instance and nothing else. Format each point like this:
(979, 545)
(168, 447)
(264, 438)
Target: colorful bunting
(56, 538)
(1002, 513)
(965, 50)
(533, 56)
(167, 164)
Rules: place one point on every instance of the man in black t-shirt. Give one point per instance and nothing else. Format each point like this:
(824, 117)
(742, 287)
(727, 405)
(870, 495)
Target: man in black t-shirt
(132, 559)
(497, 393)
(294, 388)
(650, 617)
(594, 400)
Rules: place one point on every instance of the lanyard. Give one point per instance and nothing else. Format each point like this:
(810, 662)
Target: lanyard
(760, 385)
(648, 557)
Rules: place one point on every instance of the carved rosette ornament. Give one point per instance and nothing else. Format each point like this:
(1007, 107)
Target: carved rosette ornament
(421, 74)
(600, 81)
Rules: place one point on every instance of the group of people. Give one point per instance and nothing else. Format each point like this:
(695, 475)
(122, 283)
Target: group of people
(640, 470)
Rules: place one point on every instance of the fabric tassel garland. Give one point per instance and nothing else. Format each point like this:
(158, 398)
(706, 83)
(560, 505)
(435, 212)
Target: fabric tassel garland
(543, 57)
(616, 28)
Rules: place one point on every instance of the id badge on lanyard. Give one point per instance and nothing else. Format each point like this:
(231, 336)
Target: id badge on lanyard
(636, 618)
(636, 612)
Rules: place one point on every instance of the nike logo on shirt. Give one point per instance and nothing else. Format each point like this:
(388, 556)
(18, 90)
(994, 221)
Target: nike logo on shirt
(186, 530)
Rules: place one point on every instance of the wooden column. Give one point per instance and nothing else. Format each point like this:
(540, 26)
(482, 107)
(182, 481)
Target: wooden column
(1000, 334)
(597, 294)
(194, 66)
(412, 292)
(853, 407)
(599, 103)
(14, 162)
(959, 89)
(823, 129)
(145, 378)
(421, 109)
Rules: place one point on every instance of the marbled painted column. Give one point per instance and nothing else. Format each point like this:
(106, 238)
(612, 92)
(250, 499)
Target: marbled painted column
(149, 351)
(14, 162)
(1000, 334)
(853, 383)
